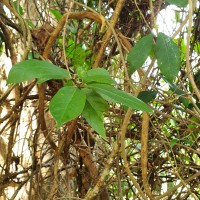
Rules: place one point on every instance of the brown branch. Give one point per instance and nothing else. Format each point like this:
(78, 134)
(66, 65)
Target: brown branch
(42, 121)
(94, 191)
(90, 164)
(10, 144)
(8, 42)
(57, 154)
(188, 69)
(61, 23)
(27, 39)
(144, 153)
(68, 137)
(19, 102)
(172, 190)
(124, 154)
(106, 37)
(128, 46)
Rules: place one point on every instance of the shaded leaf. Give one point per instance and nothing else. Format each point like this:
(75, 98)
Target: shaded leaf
(93, 111)
(72, 29)
(168, 56)
(98, 75)
(140, 52)
(30, 69)
(70, 49)
(67, 104)
(173, 142)
(180, 92)
(147, 96)
(111, 94)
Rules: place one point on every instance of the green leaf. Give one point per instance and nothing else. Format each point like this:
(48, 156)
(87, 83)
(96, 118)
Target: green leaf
(182, 47)
(180, 92)
(187, 141)
(168, 56)
(111, 94)
(170, 185)
(1, 42)
(72, 29)
(93, 111)
(98, 75)
(186, 159)
(30, 69)
(80, 70)
(147, 96)
(197, 47)
(70, 49)
(67, 104)
(173, 142)
(56, 14)
(180, 3)
(78, 57)
(18, 7)
(140, 52)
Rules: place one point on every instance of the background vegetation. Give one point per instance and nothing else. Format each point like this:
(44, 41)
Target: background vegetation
(73, 118)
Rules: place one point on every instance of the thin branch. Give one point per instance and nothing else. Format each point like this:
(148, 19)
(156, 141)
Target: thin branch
(106, 37)
(188, 66)
(124, 154)
(144, 153)
(172, 190)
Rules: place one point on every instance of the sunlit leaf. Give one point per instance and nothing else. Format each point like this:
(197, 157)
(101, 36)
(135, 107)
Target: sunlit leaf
(186, 159)
(56, 14)
(67, 104)
(30, 69)
(78, 56)
(98, 75)
(18, 7)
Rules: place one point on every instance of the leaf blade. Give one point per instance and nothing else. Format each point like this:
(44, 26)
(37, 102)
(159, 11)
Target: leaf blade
(79, 56)
(140, 52)
(168, 56)
(147, 96)
(180, 3)
(30, 69)
(94, 119)
(93, 111)
(111, 94)
(67, 104)
(99, 75)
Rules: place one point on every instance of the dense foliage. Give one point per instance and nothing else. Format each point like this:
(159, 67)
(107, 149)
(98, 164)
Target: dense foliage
(100, 102)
